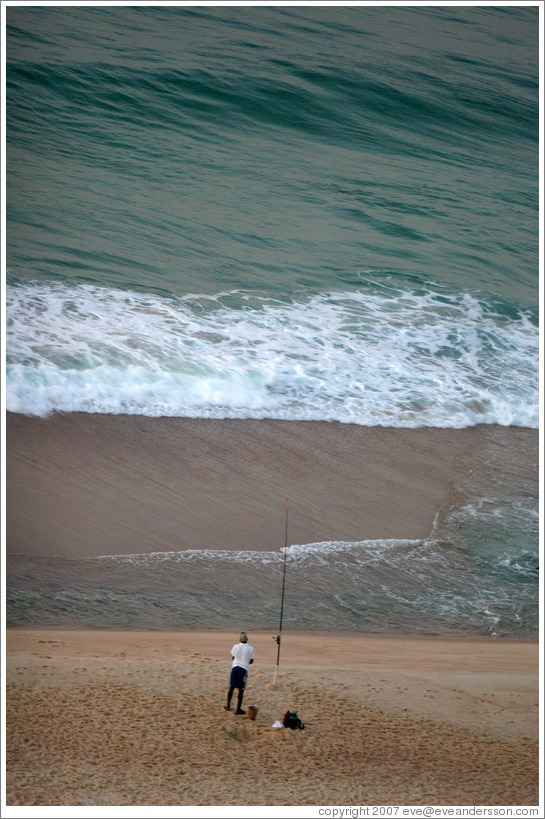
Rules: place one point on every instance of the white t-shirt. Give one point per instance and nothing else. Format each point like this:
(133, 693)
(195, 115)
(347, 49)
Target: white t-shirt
(242, 654)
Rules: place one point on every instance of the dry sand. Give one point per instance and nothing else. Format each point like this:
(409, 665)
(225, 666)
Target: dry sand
(95, 484)
(136, 718)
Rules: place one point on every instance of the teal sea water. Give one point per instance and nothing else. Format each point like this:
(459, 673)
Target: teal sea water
(311, 213)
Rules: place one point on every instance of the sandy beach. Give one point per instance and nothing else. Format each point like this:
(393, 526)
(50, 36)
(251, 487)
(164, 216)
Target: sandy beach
(137, 718)
(89, 485)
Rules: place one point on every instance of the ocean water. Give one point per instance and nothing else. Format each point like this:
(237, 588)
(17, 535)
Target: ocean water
(392, 586)
(299, 213)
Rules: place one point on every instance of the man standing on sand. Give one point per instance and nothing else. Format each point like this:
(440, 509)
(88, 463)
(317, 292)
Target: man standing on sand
(243, 656)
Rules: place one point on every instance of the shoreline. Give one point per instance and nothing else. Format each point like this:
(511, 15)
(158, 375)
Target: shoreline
(87, 485)
(298, 633)
(408, 651)
(415, 721)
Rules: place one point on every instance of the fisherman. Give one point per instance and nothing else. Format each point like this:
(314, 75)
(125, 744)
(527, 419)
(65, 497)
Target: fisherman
(243, 656)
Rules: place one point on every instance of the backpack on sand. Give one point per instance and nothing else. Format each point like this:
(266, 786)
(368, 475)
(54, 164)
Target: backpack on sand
(291, 720)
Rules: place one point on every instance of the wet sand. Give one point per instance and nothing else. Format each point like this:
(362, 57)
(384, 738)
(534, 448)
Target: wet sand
(87, 485)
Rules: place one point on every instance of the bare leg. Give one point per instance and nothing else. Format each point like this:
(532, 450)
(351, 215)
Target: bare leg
(229, 697)
(239, 703)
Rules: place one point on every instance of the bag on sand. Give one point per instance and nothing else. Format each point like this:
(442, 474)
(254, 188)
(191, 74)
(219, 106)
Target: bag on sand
(291, 720)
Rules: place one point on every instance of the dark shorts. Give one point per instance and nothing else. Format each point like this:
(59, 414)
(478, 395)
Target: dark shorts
(239, 676)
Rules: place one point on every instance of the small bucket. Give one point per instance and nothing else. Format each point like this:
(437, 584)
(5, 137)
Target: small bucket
(252, 711)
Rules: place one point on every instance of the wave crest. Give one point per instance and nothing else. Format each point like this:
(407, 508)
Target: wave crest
(378, 356)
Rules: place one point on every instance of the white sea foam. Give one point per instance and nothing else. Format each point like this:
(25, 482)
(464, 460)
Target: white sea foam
(194, 555)
(372, 357)
(310, 550)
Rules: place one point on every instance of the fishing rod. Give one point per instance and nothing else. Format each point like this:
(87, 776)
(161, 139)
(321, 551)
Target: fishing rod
(278, 636)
